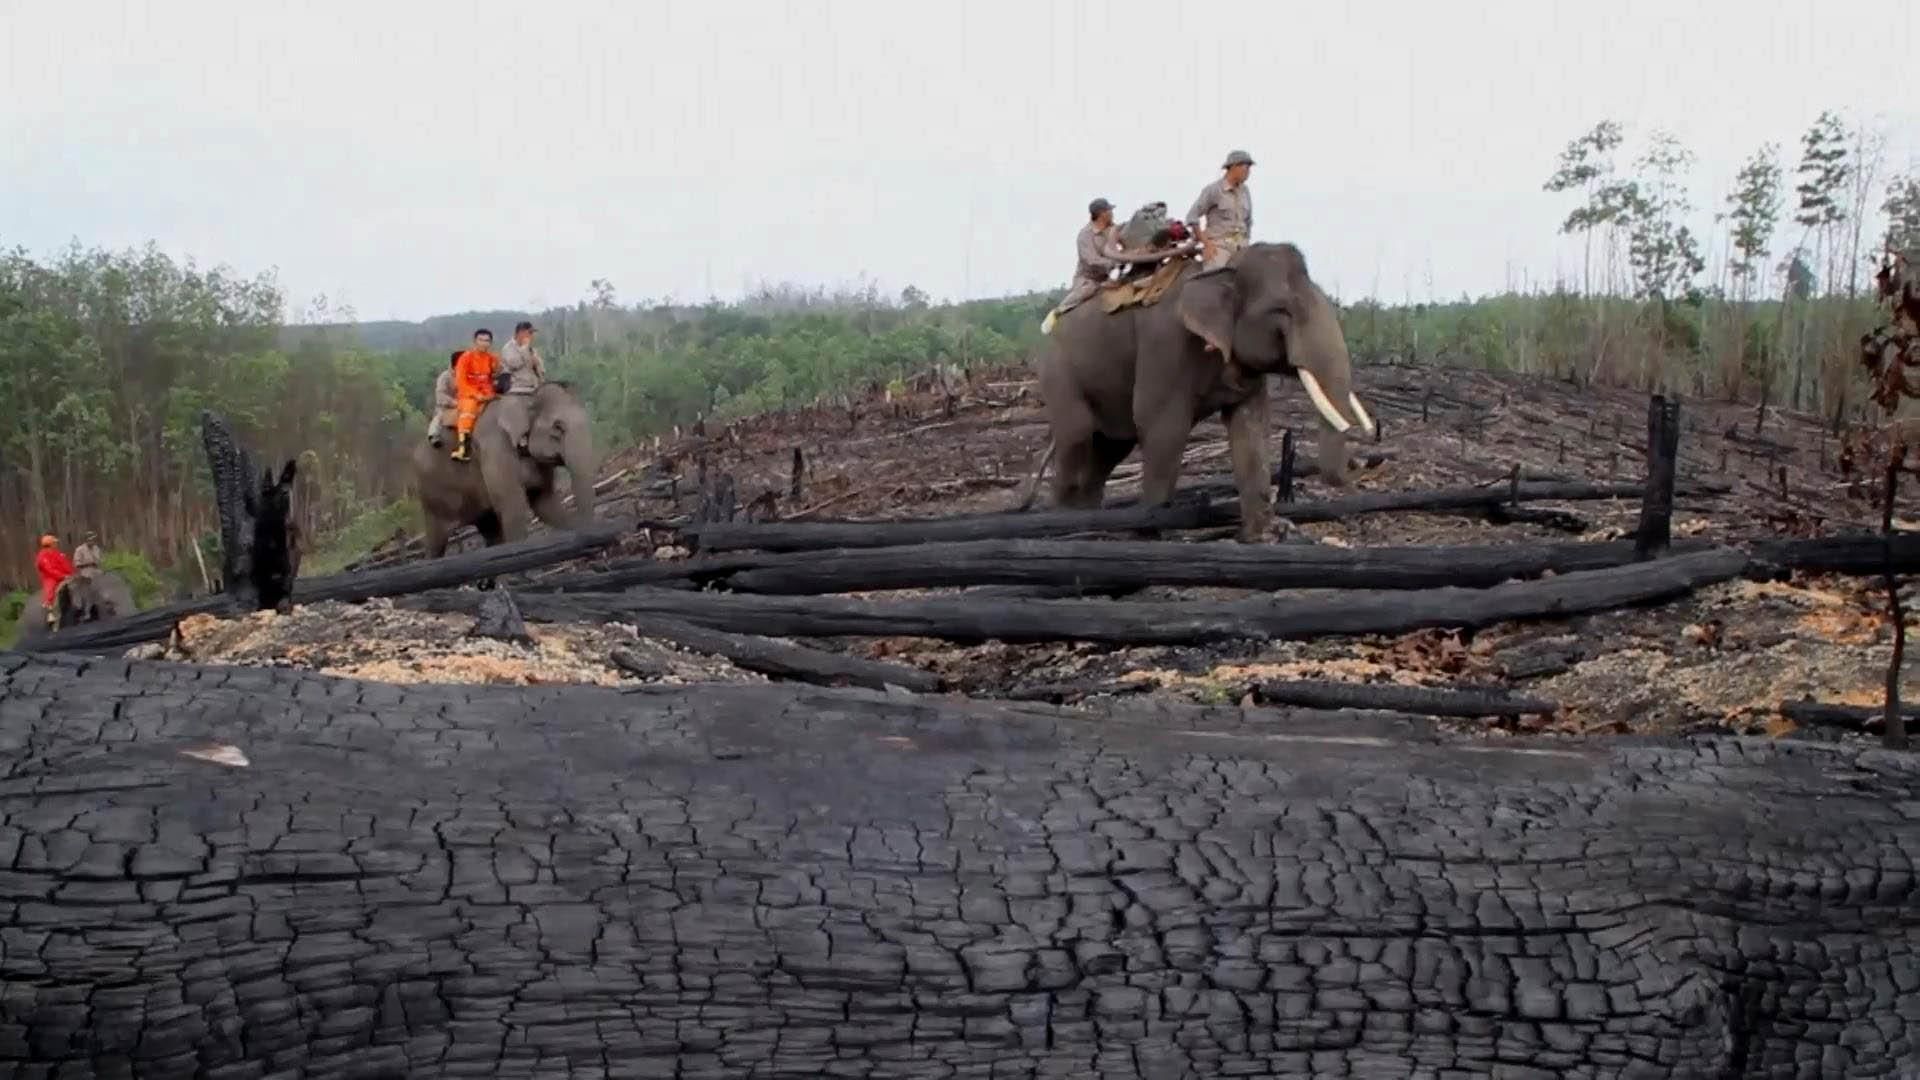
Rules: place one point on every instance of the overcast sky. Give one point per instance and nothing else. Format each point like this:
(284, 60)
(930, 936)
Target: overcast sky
(414, 157)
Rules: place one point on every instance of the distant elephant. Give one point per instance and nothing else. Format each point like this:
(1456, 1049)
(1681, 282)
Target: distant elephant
(80, 600)
(1145, 376)
(500, 489)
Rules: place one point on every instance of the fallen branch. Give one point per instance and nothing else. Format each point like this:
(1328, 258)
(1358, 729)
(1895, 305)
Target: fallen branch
(1857, 718)
(968, 619)
(1419, 700)
(1069, 567)
(451, 570)
(1104, 565)
(1179, 515)
(783, 661)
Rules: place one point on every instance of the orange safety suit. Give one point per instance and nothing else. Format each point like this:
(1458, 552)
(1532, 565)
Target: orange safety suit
(54, 568)
(472, 386)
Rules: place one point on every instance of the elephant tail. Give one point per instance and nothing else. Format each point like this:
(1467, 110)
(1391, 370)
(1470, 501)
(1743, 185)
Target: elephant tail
(1032, 486)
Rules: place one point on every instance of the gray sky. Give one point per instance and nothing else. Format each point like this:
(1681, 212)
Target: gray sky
(414, 157)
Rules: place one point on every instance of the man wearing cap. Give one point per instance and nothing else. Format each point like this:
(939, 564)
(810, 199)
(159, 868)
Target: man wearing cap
(86, 558)
(1093, 261)
(1227, 206)
(525, 371)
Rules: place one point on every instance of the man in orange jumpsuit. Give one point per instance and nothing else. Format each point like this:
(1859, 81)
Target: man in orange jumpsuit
(473, 386)
(54, 570)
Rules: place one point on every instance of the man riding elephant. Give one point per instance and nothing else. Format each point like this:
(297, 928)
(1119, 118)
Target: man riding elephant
(54, 568)
(445, 409)
(1222, 215)
(525, 370)
(473, 386)
(86, 558)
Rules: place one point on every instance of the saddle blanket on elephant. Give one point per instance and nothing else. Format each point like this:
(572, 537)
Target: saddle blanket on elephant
(1144, 292)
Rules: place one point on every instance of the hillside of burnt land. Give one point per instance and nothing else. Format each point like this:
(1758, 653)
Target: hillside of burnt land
(1732, 654)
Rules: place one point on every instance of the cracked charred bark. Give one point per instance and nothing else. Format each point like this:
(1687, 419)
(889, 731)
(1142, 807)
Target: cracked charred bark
(758, 880)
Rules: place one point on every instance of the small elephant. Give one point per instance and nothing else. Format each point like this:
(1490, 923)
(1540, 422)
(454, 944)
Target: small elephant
(1144, 376)
(501, 488)
(80, 599)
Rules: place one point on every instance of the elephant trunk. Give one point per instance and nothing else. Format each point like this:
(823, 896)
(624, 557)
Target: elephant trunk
(582, 468)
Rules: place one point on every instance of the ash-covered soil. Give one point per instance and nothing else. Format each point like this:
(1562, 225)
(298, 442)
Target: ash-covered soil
(1721, 659)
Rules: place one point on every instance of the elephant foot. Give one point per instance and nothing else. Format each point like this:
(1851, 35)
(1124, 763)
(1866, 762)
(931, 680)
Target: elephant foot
(1267, 530)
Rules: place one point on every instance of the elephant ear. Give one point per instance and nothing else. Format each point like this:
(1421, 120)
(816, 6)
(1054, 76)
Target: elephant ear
(1207, 306)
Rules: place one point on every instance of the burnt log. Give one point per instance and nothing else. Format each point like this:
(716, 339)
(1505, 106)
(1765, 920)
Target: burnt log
(968, 619)
(1859, 555)
(451, 570)
(1096, 565)
(1179, 515)
(1856, 718)
(1111, 567)
(1471, 703)
(782, 660)
(255, 871)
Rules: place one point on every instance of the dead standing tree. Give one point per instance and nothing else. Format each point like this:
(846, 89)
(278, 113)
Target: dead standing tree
(259, 554)
(1891, 354)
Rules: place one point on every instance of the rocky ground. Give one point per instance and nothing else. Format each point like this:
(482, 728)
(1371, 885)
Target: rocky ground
(1722, 659)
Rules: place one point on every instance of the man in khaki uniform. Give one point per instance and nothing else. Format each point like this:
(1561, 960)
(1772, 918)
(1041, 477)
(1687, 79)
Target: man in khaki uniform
(1093, 261)
(1227, 207)
(525, 371)
(446, 404)
(86, 558)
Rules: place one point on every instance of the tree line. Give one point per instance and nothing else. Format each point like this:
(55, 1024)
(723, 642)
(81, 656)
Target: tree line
(108, 357)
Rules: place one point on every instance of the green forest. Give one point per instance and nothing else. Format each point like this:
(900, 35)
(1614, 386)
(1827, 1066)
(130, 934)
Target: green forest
(107, 357)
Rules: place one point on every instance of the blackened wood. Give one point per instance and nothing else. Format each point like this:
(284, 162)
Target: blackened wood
(1656, 507)
(781, 660)
(1176, 516)
(1419, 700)
(471, 566)
(1140, 623)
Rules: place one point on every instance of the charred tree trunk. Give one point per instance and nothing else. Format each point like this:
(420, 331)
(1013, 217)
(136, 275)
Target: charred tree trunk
(968, 619)
(1418, 700)
(1175, 516)
(446, 572)
(275, 873)
(1663, 448)
(234, 498)
(783, 661)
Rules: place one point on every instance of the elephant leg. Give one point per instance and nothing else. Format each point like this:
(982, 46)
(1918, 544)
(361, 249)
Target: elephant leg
(551, 508)
(490, 528)
(1073, 436)
(1162, 441)
(1105, 455)
(1247, 426)
(1072, 465)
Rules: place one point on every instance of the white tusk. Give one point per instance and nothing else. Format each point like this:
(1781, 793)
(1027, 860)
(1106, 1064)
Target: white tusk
(1366, 422)
(1327, 412)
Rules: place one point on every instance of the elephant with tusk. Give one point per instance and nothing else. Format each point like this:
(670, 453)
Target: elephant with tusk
(1144, 376)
